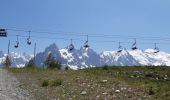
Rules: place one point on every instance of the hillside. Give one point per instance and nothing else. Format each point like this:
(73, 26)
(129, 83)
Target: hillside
(107, 83)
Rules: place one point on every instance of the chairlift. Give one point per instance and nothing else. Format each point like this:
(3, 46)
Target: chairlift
(134, 45)
(86, 43)
(2, 29)
(3, 33)
(156, 49)
(17, 43)
(28, 39)
(71, 46)
(119, 48)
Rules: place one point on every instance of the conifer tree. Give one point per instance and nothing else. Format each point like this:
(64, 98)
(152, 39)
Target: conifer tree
(7, 62)
(51, 62)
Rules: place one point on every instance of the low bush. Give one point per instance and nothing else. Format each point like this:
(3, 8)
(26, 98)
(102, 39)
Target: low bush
(45, 83)
(56, 82)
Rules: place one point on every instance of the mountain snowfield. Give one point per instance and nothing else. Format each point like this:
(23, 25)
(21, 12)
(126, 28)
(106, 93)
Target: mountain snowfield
(86, 57)
(18, 59)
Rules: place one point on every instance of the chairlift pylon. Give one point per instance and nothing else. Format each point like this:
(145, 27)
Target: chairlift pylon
(119, 48)
(28, 39)
(17, 43)
(71, 46)
(156, 49)
(86, 43)
(134, 45)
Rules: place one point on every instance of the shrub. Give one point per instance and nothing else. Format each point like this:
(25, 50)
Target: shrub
(66, 68)
(105, 67)
(57, 82)
(151, 92)
(45, 83)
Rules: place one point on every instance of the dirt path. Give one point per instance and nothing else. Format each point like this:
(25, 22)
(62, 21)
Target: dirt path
(10, 87)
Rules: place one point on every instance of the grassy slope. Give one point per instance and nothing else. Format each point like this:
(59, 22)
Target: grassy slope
(98, 83)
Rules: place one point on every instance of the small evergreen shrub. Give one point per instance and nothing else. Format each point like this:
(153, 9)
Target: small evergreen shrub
(57, 82)
(151, 92)
(45, 83)
(105, 67)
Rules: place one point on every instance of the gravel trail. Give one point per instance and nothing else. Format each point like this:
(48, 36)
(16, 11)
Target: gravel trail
(10, 87)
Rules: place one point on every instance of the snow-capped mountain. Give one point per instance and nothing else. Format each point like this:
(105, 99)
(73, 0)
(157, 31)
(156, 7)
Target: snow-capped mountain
(41, 57)
(115, 58)
(86, 57)
(83, 58)
(18, 59)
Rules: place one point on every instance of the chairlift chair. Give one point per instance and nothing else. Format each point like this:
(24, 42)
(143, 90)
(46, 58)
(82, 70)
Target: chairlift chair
(2, 30)
(86, 43)
(3, 33)
(71, 46)
(17, 43)
(156, 49)
(119, 48)
(28, 39)
(134, 47)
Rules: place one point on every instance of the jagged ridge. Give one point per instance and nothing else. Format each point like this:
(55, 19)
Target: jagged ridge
(18, 59)
(86, 57)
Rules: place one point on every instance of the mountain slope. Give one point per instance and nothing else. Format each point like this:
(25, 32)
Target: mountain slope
(41, 57)
(86, 57)
(75, 59)
(123, 58)
(18, 59)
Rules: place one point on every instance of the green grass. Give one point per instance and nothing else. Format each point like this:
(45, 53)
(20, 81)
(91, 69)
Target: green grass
(142, 81)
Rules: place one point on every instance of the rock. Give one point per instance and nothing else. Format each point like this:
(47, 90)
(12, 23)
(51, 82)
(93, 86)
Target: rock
(105, 93)
(104, 81)
(117, 91)
(14, 94)
(123, 88)
(97, 96)
(83, 93)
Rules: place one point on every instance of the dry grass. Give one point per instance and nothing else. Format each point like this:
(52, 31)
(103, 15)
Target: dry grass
(112, 83)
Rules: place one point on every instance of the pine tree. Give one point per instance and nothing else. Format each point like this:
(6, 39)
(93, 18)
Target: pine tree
(50, 62)
(30, 64)
(7, 63)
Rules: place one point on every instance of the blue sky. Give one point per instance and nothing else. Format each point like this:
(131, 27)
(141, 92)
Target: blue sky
(105, 21)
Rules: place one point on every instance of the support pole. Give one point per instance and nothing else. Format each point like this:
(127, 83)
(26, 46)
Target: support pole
(34, 52)
(8, 47)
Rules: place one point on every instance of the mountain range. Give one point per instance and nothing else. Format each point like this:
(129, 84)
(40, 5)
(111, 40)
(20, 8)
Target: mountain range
(87, 57)
(18, 59)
